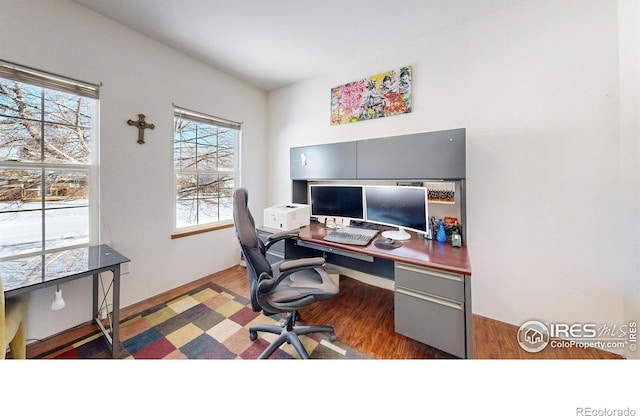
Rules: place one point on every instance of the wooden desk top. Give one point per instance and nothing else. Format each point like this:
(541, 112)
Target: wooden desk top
(417, 251)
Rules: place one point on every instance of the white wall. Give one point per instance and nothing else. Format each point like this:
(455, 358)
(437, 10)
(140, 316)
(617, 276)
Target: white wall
(139, 76)
(537, 88)
(629, 16)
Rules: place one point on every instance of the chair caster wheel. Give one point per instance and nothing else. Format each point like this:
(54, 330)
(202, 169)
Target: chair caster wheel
(332, 337)
(253, 335)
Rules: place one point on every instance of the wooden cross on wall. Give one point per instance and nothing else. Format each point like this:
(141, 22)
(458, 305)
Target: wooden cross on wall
(141, 125)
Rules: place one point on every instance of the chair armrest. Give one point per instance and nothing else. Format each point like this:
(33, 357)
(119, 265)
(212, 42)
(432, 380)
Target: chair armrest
(266, 282)
(282, 235)
(306, 263)
(274, 238)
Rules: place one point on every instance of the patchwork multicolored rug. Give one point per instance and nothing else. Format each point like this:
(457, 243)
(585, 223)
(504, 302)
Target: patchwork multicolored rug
(207, 323)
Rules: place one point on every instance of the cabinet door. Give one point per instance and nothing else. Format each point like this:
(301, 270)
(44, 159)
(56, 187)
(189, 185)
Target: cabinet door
(430, 307)
(327, 161)
(434, 321)
(433, 155)
(439, 283)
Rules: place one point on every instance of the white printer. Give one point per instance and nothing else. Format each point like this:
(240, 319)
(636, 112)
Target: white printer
(287, 217)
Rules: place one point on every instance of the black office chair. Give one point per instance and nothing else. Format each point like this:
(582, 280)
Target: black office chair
(283, 287)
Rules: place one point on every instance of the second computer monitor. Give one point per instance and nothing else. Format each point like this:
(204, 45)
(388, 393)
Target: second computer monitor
(337, 201)
(404, 207)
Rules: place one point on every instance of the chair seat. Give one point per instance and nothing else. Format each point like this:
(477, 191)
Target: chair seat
(314, 282)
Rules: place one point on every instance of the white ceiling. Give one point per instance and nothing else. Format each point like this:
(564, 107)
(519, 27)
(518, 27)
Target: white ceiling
(272, 43)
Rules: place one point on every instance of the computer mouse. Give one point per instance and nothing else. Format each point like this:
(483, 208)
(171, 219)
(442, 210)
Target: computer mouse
(387, 243)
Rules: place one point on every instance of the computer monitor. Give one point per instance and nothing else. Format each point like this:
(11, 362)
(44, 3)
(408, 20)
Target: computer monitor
(337, 201)
(404, 207)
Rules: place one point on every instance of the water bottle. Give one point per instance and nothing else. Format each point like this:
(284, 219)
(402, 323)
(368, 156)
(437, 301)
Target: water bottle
(441, 236)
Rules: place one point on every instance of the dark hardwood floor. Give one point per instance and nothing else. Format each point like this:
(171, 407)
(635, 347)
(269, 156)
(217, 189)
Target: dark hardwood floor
(362, 316)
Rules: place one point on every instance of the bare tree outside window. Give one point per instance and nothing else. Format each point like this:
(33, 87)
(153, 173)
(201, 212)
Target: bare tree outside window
(46, 140)
(204, 162)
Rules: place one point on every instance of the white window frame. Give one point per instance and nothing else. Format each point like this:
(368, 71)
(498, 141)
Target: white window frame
(46, 80)
(203, 118)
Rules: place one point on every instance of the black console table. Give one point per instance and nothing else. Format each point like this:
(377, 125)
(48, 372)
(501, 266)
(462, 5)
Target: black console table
(32, 273)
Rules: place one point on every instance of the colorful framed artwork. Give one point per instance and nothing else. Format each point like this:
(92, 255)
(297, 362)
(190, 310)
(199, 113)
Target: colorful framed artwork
(382, 95)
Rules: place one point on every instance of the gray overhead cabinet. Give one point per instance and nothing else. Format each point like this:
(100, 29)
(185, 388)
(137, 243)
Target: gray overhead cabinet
(436, 155)
(321, 162)
(433, 155)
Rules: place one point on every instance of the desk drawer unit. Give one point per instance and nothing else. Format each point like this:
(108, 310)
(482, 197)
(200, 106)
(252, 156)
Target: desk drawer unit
(430, 307)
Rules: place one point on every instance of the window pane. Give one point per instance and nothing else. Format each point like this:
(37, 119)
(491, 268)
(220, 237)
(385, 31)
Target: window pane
(207, 186)
(70, 187)
(20, 100)
(21, 232)
(186, 187)
(186, 213)
(207, 147)
(227, 185)
(203, 199)
(184, 145)
(67, 144)
(65, 226)
(186, 200)
(187, 157)
(42, 127)
(226, 149)
(67, 109)
(66, 208)
(204, 159)
(207, 211)
(225, 209)
(20, 139)
(19, 187)
(216, 198)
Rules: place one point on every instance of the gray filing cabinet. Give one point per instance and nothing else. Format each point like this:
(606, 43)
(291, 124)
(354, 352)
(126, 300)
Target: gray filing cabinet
(431, 306)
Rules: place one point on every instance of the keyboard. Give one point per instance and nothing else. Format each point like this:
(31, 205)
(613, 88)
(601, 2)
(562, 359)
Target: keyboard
(349, 235)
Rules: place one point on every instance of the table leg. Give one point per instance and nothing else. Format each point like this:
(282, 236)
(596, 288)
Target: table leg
(95, 297)
(115, 329)
(114, 337)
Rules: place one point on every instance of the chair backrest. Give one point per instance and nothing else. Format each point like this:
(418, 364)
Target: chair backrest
(251, 246)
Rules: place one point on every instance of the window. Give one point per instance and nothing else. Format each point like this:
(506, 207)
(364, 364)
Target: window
(48, 174)
(205, 152)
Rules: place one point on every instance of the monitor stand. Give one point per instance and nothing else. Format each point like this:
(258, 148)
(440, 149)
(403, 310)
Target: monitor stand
(399, 234)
